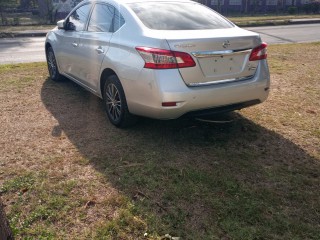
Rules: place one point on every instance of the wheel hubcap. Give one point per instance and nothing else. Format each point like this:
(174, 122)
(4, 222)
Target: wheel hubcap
(113, 102)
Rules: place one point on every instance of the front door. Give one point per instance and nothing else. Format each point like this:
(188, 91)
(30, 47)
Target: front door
(94, 44)
(68, 40)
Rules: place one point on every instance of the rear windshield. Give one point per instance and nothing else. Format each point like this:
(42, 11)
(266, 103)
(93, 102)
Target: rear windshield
(178, 16)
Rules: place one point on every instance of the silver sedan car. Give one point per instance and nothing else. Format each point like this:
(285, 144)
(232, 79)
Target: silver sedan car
(160, 59)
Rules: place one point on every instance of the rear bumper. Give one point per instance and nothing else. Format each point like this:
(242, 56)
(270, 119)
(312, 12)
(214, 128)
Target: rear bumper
(167, 86)
(222, 109)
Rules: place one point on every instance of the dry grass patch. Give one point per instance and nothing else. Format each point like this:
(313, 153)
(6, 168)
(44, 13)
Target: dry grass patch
(293, 109)
(50, 189)
(66, 173)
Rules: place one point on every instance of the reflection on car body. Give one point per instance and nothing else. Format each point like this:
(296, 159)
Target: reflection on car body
(158, 59)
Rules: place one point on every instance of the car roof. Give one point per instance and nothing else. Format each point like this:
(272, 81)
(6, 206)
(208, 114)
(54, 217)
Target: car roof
(136, 1)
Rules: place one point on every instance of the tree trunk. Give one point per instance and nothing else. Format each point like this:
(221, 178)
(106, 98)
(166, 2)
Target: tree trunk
(2, 16)
(43, 8)
(25, 4)
(46, 10)
(5, 231)
(246, 7)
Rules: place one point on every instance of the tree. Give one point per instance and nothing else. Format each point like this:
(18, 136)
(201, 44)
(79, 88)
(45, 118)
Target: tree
(5, 231)
(219, 6)
(4, 4)
(246, 6)
(28, 4)
(25, 4)
(46, 10)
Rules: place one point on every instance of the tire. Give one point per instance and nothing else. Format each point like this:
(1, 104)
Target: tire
(116, 104)
(52, 66)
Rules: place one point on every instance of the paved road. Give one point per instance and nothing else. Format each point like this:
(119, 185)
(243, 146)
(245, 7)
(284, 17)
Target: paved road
(289, 33)
(18, 50)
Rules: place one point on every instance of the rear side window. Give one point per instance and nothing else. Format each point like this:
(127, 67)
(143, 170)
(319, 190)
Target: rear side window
(178, 16)
(101, 18)
(105, 18)
(118, 20)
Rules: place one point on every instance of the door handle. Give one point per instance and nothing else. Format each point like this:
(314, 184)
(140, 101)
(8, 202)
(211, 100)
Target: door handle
(100, 50)
(75, 44)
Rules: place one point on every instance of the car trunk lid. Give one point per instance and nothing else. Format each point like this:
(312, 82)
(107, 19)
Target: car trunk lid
(221, 55)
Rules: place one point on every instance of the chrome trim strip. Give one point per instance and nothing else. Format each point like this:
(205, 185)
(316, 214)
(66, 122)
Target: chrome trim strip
(219, 81)
(207, 54)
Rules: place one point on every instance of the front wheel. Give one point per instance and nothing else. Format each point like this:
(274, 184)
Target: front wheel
(52, 66)
(116, 104)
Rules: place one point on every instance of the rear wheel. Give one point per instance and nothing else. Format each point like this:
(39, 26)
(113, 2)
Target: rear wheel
(52, 66)
(116, 104)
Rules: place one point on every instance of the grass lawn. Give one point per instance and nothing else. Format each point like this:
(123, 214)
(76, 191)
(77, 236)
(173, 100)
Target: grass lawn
(67, 173)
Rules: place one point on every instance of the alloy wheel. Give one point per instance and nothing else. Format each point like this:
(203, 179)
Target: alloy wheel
(113, 102)
(52, 64)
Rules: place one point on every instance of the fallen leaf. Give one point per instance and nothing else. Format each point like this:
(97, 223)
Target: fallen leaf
(311, 111)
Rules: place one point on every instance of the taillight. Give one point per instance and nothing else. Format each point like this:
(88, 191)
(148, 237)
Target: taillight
(259, 52)
(164, 59)
(169, 104)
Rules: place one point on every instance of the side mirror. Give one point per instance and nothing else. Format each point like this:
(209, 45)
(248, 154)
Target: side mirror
(70, 26)
(61, 24)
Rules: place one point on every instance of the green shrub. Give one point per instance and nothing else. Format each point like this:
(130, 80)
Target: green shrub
(292, 10)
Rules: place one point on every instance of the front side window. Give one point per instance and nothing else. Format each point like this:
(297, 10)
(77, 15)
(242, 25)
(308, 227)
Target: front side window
(78, 18)
(178, 16)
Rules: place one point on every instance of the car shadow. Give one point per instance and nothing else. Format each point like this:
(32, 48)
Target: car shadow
(195, 176)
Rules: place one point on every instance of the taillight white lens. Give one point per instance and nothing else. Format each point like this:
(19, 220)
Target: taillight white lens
(164, 59)
(259, 52)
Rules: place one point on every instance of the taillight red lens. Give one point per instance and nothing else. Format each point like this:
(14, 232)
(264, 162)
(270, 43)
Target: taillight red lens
(259, 52)
(169, 104)
(164, 59)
